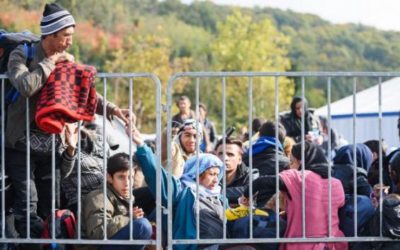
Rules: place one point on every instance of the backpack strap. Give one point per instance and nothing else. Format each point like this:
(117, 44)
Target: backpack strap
(69, 221)
(29, 51)
(46, 231)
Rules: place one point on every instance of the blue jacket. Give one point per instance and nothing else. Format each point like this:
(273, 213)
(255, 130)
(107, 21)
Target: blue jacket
(183, 198)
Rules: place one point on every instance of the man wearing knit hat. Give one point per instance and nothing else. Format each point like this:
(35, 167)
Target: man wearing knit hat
(57, 27)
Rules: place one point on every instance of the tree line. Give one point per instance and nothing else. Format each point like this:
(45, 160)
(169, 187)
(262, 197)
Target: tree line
(169, 36)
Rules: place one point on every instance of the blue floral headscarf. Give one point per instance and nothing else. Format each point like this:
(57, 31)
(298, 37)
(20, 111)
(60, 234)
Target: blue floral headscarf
(206, 161)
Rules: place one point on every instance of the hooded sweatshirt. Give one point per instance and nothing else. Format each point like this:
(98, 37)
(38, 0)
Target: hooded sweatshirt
(343, 168)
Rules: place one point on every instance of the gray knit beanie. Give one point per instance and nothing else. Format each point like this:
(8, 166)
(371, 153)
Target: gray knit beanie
(55, 18)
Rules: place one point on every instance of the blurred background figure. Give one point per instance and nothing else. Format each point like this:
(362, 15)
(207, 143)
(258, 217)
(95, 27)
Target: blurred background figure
(209, 130)
(292, 122)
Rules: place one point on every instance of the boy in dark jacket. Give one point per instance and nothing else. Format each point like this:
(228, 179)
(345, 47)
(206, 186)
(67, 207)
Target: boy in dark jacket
(117, 210)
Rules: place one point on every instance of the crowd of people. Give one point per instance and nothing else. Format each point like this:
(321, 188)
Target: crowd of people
(282, 175)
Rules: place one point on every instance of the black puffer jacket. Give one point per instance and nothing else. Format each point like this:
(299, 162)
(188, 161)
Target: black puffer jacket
(265, 161)
(236, 188)
(345, 173)
(390, 225)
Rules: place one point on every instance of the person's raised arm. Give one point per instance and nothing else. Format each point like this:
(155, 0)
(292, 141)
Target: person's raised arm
(68, 156)
(147, 162)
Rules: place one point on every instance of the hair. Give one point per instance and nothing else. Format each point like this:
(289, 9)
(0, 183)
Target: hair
(314, 158)
(268, 129)
(203, 106)
(229, 141)
(395, 167)
(120, 162)
(323, 121)
(296, 100)
(182, 98)
(288, 145)
(373, 145)
(257, 123)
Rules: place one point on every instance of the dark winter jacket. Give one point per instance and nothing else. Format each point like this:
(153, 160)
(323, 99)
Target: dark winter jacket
(292, 122)
(236, 188)
(265, 161)
(343, 168)
(390, 226)
(345, 174)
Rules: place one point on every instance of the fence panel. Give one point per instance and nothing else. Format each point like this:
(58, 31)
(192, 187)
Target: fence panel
(128, 79)
(226, 80)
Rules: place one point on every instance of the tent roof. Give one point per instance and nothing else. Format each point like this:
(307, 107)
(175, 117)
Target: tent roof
(367, 100)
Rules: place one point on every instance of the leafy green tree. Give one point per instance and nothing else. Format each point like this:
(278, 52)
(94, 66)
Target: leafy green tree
(244, 45)
(144, 53)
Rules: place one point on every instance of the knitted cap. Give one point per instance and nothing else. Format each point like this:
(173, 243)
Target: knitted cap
(55, 18)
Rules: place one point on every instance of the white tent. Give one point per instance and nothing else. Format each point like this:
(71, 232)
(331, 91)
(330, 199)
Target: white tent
(367, 113)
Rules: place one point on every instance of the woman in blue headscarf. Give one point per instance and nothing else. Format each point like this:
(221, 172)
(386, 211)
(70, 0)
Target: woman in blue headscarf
(184, 200)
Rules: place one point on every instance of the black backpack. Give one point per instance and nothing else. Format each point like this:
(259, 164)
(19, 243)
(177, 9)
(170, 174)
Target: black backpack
(8, 42)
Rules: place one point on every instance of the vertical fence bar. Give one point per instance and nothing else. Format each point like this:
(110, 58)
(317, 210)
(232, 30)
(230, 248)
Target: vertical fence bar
(53, 186)
(250, 98)
(224, 144)
(354, 156)
(380, 156)
(28, 173)
(329, 159)
(224, 137)
(224, 183)
(3, 166)
(158, 171)
(169, 166)
(79, 169)
(104, 158)
(130, 125)
(303, 184)
(197, 162)
(277, 208)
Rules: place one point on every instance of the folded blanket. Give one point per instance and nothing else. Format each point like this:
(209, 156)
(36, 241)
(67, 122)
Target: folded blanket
(69, 95)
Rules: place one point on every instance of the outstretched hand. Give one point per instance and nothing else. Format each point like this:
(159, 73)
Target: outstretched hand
(135, 134)
(124, 115)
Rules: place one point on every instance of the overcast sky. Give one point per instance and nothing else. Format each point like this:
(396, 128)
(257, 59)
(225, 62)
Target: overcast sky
(383, 14)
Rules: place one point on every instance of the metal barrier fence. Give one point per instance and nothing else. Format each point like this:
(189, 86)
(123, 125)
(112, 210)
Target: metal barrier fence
(223, 79)
(105, 77)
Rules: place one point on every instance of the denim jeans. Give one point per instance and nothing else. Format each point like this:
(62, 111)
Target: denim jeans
(141, 230)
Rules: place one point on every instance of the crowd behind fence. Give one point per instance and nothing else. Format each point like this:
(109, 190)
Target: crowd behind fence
(165, 214)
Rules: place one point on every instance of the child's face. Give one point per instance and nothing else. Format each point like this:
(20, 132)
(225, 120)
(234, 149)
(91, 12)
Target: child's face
(120, 182)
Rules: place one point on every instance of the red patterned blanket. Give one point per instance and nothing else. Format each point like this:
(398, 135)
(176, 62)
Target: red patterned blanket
(69, 95)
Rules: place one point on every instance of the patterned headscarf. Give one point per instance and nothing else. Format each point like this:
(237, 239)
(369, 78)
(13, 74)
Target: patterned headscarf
(191, 124)
(206, 161)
